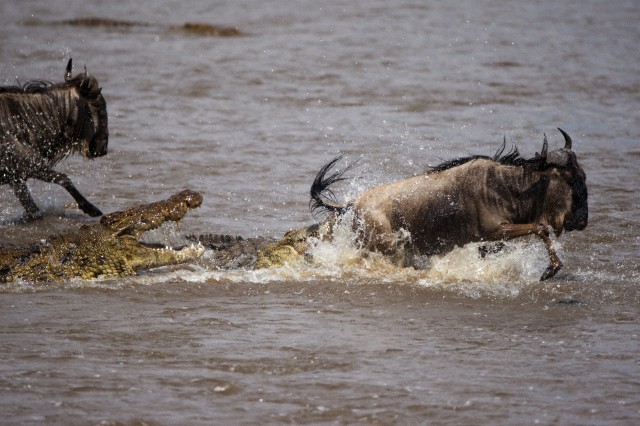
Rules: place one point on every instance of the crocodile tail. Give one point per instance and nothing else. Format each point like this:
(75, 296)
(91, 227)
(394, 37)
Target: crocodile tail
(322, 197)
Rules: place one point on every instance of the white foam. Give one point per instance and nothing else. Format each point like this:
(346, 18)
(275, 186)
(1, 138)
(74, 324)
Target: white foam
(520, 263)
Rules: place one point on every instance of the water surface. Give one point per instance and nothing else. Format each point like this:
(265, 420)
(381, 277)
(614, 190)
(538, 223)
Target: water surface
(248, 121)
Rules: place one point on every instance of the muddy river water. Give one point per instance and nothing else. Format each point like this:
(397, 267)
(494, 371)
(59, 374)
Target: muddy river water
(247, 121)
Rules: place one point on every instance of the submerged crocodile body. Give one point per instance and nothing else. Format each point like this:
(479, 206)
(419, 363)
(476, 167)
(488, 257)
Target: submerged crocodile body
(233, 252)
(110, 248)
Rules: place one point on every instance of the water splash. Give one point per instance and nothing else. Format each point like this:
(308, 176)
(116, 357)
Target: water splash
(463, 271)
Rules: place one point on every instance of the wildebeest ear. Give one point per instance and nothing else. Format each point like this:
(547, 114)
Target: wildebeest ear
(67, 73)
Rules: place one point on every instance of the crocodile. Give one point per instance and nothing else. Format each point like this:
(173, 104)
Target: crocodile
(293, 247)
(110, 248)
(234, 252)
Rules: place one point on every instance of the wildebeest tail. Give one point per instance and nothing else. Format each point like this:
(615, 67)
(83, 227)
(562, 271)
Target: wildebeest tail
(322, 197)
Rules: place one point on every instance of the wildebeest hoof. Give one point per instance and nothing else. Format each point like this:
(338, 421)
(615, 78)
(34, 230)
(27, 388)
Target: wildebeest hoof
(91, 210)
(550, 271)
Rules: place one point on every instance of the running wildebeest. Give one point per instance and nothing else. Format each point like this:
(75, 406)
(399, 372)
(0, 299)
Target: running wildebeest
(470, 199)
(41, 123)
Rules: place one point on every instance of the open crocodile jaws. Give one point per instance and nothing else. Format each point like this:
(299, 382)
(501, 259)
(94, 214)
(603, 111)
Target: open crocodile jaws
(108, 249)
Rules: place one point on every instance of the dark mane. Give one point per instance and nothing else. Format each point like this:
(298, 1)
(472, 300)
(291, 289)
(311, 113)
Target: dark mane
(511, 158)
(32, 86)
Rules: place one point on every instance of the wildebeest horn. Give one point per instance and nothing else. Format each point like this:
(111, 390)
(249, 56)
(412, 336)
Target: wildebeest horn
(545, 147)
(67, 74)
(500, 151)
(567, 139)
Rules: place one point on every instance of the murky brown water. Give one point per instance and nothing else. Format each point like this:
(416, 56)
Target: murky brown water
(248, 121)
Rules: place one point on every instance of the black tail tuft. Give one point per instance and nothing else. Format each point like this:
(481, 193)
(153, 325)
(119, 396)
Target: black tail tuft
(323, 198)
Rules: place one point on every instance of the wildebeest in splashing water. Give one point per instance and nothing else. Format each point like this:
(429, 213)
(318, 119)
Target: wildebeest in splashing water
(41, 123)
(466, 200)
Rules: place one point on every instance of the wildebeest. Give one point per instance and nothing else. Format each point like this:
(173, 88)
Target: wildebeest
(470, 199)
(41, 123)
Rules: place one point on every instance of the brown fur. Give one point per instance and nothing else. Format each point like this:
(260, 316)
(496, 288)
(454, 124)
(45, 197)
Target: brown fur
(468, 200)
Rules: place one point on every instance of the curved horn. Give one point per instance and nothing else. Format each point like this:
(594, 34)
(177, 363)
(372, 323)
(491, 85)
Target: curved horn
(499, 152)
(567, 139)
(67, 74)
(545, 147)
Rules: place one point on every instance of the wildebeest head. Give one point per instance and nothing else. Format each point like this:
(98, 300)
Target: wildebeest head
(570, 177)
(96, 109)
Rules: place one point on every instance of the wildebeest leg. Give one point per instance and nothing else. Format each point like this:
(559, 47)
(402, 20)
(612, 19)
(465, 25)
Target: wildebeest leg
(24, 196)
(509, 231)
(380, 237)
(63, 180)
